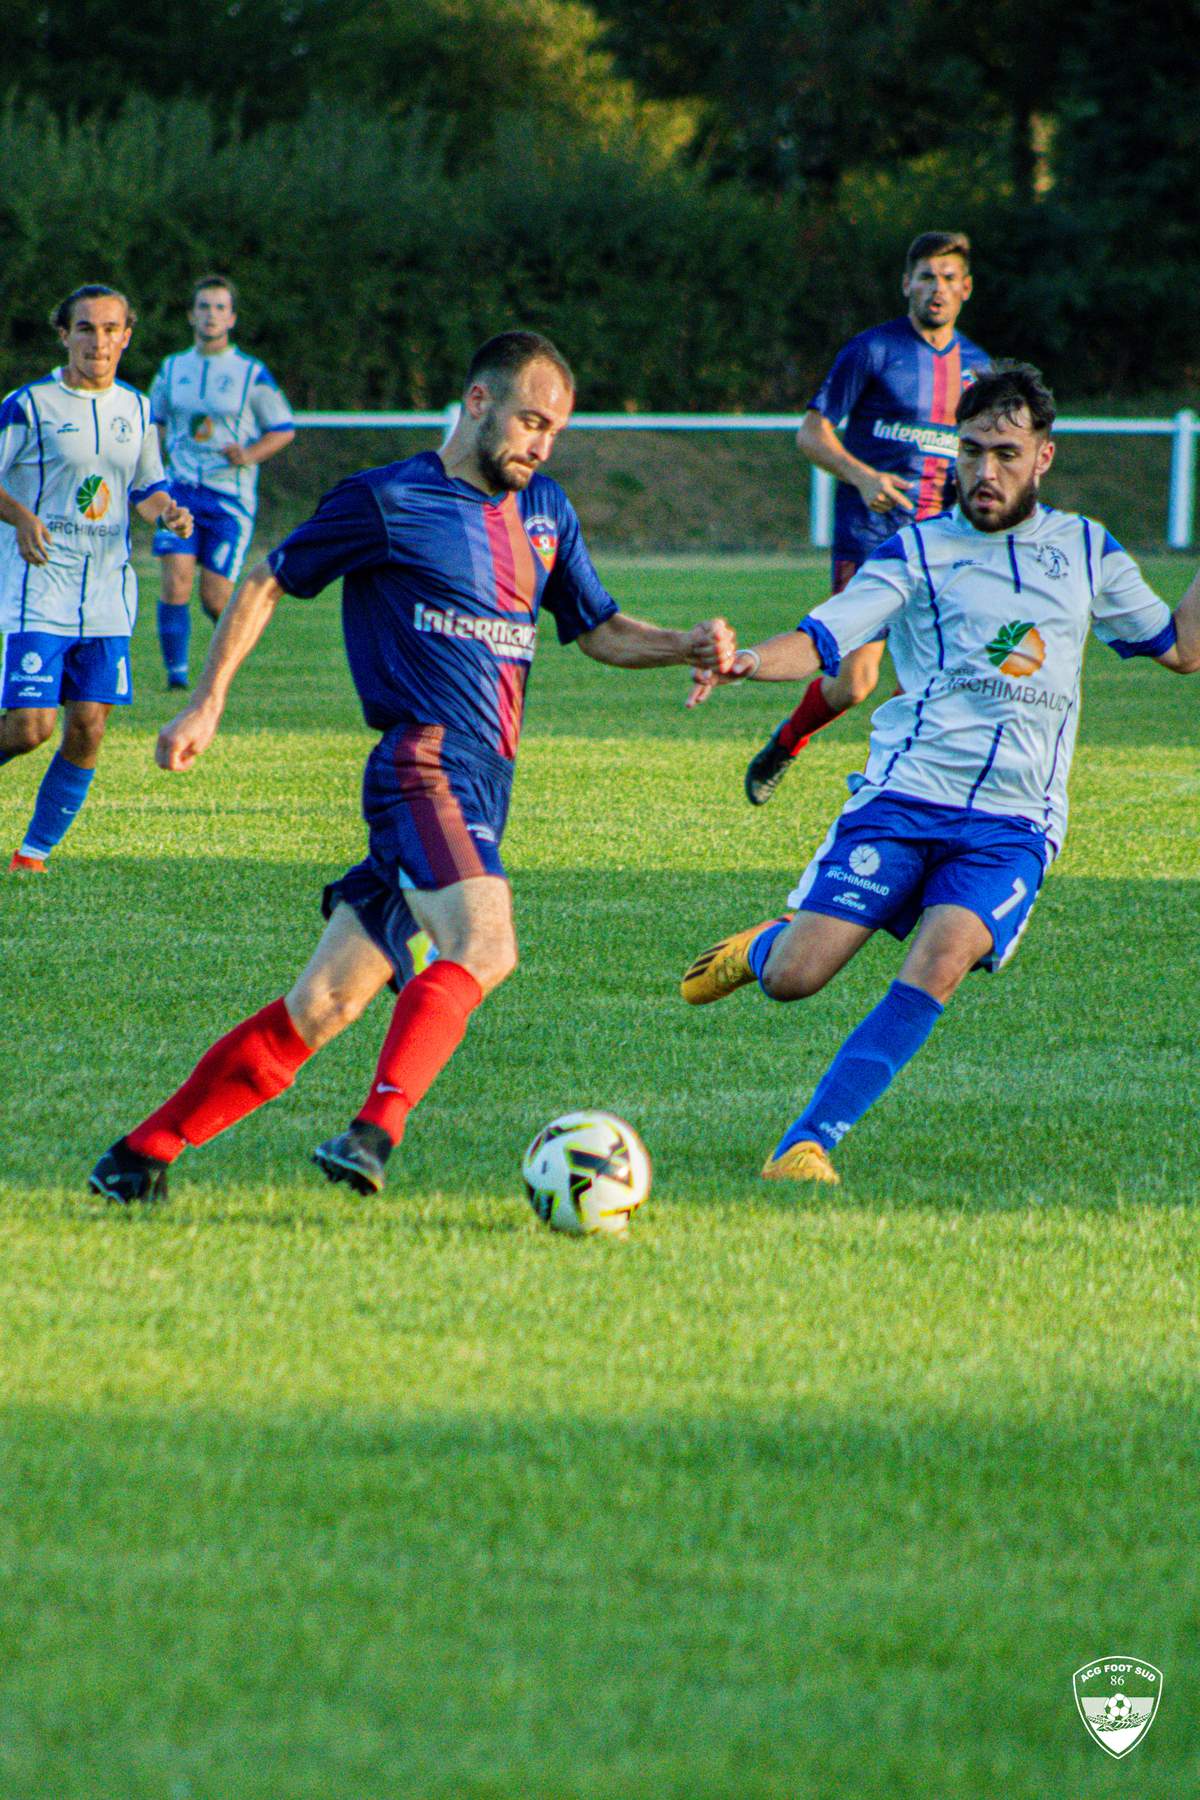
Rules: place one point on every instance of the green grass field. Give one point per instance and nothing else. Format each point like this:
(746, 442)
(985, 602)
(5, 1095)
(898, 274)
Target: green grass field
(814, 1495)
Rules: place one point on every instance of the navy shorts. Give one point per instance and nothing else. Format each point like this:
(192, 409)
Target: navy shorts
(221, 531)
(43, 669)
(435, 808)
(886, 861)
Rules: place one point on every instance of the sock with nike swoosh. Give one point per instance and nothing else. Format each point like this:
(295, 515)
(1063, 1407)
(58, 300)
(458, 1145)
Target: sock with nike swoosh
(428, 1025)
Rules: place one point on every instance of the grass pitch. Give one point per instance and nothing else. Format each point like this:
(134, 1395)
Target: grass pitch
(791, 1495)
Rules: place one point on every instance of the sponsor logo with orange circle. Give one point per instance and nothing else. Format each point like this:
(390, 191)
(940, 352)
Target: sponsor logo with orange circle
(93, 497)
(1017, 648)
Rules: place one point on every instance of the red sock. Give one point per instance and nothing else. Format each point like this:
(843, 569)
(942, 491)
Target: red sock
(247, 1067)
(813, 712)
(427, 1027)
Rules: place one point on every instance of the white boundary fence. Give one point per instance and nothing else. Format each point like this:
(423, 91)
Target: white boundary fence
(1182, 429)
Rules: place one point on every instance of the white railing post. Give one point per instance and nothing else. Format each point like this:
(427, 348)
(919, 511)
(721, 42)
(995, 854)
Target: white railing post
(451, 416)
(1182, 503)
(820, 509)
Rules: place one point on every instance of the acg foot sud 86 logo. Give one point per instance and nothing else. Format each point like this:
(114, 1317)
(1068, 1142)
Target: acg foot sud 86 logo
(1117, 1697)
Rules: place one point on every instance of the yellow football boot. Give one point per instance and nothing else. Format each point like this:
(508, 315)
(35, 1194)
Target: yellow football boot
(722, 969)
(802, 1162)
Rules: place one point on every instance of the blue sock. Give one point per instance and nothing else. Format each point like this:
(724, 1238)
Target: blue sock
(63, 791)
(174, 637)
(760, 949)
(864, 1067)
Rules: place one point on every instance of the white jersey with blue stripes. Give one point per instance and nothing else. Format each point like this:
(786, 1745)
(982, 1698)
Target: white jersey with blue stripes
(206, 403)
(80, 459)
(987, 632)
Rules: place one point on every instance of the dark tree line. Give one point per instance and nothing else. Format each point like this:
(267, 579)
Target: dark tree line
(702, 201)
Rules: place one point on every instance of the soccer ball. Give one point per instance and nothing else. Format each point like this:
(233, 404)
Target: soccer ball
(585, 1172)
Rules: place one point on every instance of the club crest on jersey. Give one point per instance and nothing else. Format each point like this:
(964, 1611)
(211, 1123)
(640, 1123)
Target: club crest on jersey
(122, 430)
(543, 535)
(969, 378)
(1052, 560)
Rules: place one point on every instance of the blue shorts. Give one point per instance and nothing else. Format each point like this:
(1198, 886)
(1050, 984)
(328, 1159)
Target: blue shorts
(885, 862)
(435, 808)
(221, 531)
(43, 669)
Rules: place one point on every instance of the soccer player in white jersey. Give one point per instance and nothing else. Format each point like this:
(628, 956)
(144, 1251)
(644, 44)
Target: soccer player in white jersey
(221, 417)
(77, 452)
(963, 804)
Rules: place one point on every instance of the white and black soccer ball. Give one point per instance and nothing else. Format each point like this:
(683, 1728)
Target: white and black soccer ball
(585, 1172)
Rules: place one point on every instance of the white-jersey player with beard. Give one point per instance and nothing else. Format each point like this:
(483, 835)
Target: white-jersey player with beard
(963, 804)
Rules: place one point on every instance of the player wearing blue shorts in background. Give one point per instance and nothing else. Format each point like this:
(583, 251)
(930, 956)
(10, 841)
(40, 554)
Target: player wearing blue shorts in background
(964, 801)
(446, 561)
(891, 395)
(77, 452)
(221, 417)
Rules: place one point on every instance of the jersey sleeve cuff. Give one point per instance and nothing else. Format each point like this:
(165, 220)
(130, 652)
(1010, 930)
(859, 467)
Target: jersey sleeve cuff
(1155, 646)
(826, 643)
(137, 495)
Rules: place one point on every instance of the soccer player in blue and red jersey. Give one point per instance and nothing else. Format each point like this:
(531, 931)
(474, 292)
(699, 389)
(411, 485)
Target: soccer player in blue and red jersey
(446, 560)
(882, 421)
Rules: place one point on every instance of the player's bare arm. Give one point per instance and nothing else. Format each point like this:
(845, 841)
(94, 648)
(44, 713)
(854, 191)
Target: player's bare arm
(245, 456)
(821, 444)
(241, 625)
(789, 657)
(629, 643)
(161, 509)
(33, 539)
(1184, 655)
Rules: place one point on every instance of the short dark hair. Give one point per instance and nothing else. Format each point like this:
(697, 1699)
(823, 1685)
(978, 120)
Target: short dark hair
(1004, 389)
(63, 315)
(211, 281)
(497, 363)
(937, 243)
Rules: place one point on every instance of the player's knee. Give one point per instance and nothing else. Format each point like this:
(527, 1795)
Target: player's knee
(790, 980)
(492, 965)
(25, 731)
(82, 738)
(858, 684)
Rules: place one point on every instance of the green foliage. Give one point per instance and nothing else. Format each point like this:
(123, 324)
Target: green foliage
(369, 270)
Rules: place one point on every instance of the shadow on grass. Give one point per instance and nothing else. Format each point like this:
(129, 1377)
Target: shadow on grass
(816, 1602)
(1067, 1078)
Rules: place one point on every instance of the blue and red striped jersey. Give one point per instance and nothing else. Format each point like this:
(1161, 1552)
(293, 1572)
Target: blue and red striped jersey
(893, 396)
(441, 589)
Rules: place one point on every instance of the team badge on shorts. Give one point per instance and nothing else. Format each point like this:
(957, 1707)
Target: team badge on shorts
(1117, 1697)
(543, 535)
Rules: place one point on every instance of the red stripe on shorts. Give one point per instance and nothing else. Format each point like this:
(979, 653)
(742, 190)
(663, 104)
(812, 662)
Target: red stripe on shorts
(435, 811)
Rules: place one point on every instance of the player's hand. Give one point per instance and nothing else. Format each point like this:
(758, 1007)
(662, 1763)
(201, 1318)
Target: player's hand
(176, 518)
(34, 542)
(712, 645)
(237, 455)
(186, 736)
(705, 680)
(884, 493)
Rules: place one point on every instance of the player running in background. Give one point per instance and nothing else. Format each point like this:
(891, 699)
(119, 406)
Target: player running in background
(891, 393)
(447, 559)
(77, 451)
(964, 800)
(221, 416)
